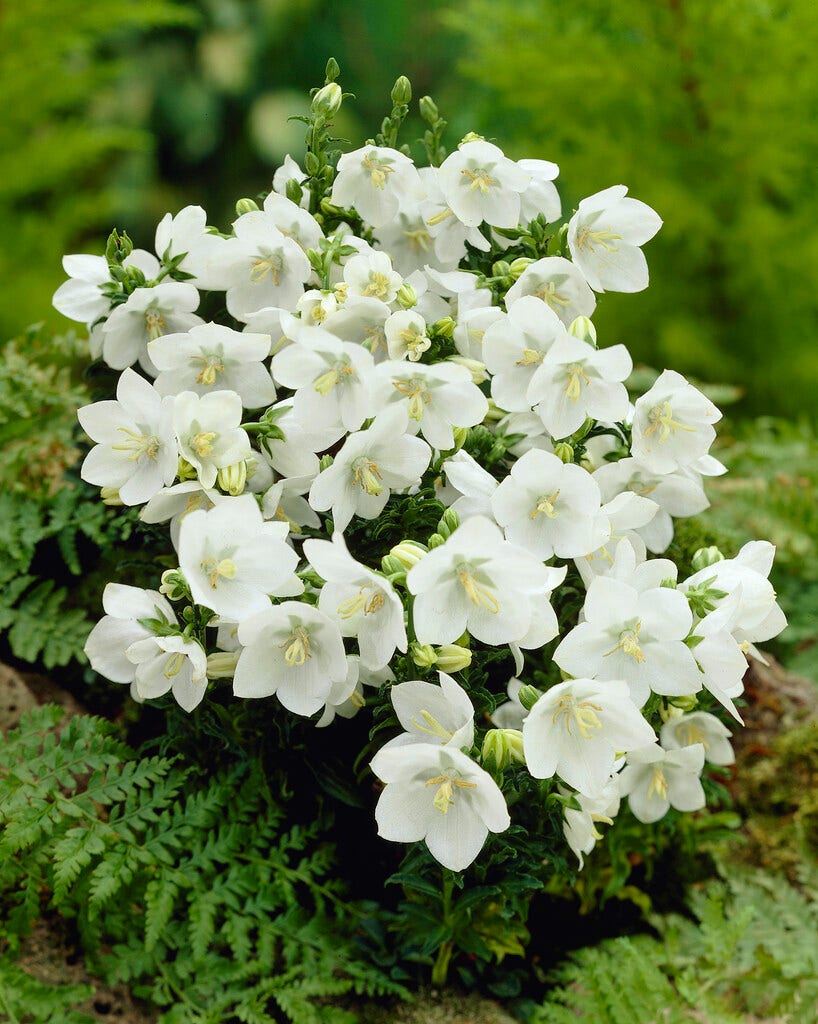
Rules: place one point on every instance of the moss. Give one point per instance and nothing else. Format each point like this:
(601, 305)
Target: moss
(437, 1008)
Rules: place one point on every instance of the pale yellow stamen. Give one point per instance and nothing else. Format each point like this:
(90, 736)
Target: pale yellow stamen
(202, 442)
(629, 644)
(367, 475)
(361, 602)
(689, 733)
(416, 343)
(583, 713)
(318, 314)
(139, 445)
(545, 506)
(214, 569)
(211, 367)
(378, 171)
(327, 381)
(444, 796)
(480, 179)
(530, 357)
(479, 595)
(173, 666)
(661, 419)
(264, 265)
(439, 217)
(658, 784)
(588, 239)
(551, 297)
(418, 240)
(432, 726)
(298, 648)
(573, 388)
(378, 285)
(417, 394)
(155, 324)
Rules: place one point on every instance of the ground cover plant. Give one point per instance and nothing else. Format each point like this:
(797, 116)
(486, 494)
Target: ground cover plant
(390, 533)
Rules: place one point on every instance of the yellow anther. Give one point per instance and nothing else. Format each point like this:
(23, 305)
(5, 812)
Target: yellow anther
(629, 644)
(445, 791)
(551, 297)
(367, 475)
(479, 595)
(215, 568)
(588, 239)
(264, 265)
(298, 648)
(379, 170)
(335, 375)
(138, 445)
(480, 179)
(417, 394)
(211, 367)
(357, 699)
(195, 501)
(583, 713)
(545, 506)
(155, 324)
(202, 442)
(362, 602)
(661, 419)
(573, 388)
(432, 726)
(318, 314)
(173, 666)
(439, 217)
(530, 357)
(378, 285)
(416, 343)
(689, 733)
(418, 240)
(658, 784)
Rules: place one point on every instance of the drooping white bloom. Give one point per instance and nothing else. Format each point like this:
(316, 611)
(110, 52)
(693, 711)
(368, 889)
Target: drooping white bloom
(579, 826)
(699, 727)
(439, 795)
(405, 333)
(435, 398)
(556, 282)
(370, 276)
(635, 636)
(549, 507)
(147, 313)
(214, 358)
(174, 503)
(293, 456)
(577, 729)
(285, 502)
(672, 424)
(292, 221)
(626, 513)
(540, 196)
(370, 465)
(719, 655)
(433, 714)
(363, 602)
(475, 581)
(480, 184)
(135, 448)
(172, 663)
(291, 650)
(120, 627)
(470, 486)
(408, 238)
(208, 432)
(449, 234)
(654, 780)
(576, 380)
(185, 235)
(470, 332)
(345, 697)
(233, 560)
(80, 298)
(375, 180)
(291, 171)
(604, 237)
(361, 322)
(510, 714)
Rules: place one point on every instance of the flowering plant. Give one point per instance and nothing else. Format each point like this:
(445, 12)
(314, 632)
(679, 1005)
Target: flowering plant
(402, 475)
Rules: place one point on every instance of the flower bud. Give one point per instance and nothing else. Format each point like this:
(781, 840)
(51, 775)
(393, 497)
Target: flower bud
(428, 109)
(423, 655)
(443, 328)
(222, 664)
(232, 479)
(518, 267)
(449, 522)
(118, 247)
(667, 712)
(393, 568)
(246, 206)
(435, 541)
(184, 470)
(333, 70)
(504, 747)
(312, 164)
(687, 702)
(453, 658)
(329, 208)
(474, 366)
(174, 585)
(528, 696)
(328, 100)
(408, 552)
(407, 296)
(110, 496)
(294, 191)
(471, 137)
(706, 556)
(461, 435)
(495, 413)
(401, 91)
(325, 463)
(583, 329)
(564, 452)
(500, 269)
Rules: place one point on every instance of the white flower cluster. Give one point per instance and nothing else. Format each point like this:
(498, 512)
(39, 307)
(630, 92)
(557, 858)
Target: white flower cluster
(361, 365)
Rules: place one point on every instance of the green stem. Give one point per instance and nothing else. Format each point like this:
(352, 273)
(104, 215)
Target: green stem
(440, 970)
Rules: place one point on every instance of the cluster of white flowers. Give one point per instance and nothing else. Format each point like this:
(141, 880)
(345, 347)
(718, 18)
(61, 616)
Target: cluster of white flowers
(373, 363)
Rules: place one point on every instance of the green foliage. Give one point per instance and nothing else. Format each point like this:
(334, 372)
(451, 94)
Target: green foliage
(203, 894)
(667, 98)
(25, 999)
(744, 952)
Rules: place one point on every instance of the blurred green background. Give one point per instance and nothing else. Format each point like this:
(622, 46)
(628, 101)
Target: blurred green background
(115, 113)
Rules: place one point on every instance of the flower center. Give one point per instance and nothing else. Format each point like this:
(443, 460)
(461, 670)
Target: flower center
(211, 367)
(297, 648)
(480, 595)
(480, 179)
(658, 784)
(262, 265)
(418, 240)
(416, 343)
(530, 357)
(202, 442)
(589, 239)
(335, 375)
(378, 285)
(417, 394)
(661, 419)
(362, 602)
(689, 733)
(444, 796)
(216, 567)
(173, 665)
(629, 644)
(379, 170)
(155, 324)
(367, 475)
(139, 445)
(583, 713)
(545, 506)
(576, 377)
(551, 297)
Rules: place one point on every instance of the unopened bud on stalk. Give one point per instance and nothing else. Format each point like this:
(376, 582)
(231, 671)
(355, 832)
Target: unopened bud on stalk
(246, 206)
(407, 296)
(518, 267)
(453, 658)
(232, 479)
(461, 435)
(408, 552)
(706, 556)
(471, 137)
(174, 585)
(449, 522)
(583, 329)
(222, 664)
(500, 269)
(443, 328)
(328, 100)
(528, 696)
(401, 91)
(474, 366)
(428, 109)
(686, 702)
(564, 451)
(423, 655)
(503, 747)
(110, 496)
(184, 470)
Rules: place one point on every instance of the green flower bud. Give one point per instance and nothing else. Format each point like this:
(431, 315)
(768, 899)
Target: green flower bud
(184, 470)
(328, 100)
(231, 479)
(408, 552)
(564, 452)
(393, 568)
(110, 496)
(449, 522)
(401, 91)
(423, 655)
(294, 191)
(312, 164)
(478, 370)
(118, 247)
(435, 541)
(326, 462)
(518, 267)
(428, 109)
(333, 70)
(471, 137)
(453, 658)
(246, 206)
(501, 269)
(583, 329)
(461, 435)
(504, 747)
(706, 556)
(407, 296)
(444, 328)
(329, 209)
(222, 664)
(687, 702)
(528, 696)
(174, 585)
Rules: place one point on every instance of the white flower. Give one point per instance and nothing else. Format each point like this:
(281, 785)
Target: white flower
(345, 697)
(208, 432)
(549, 507)
(557, 282)
(292, 221)
(448, 233)
(136, 447)
(408, 240)
(436, 398)
(121, 627)
(470, 332)
(360, 321)
(510, 714)
(186, 235)
(370, 276)
(214, 358)
(294, 651)
(638, 637)
(480, 184)
(375, 180)
(405, 333)
(672, 424)
(699, 727)
(626, 513)
(470, 487)
(370, 465)
(169, 663)
(576, 380)
(655, 780)
(604, 236)
(540, 196)
(433, 714)
(283, 501)
(147, 313)
(362, 602)
(174, 503)
(577, 729)
(232, 559)
(475, 581)
(439, 795)
(291, 171)
(719, 655)
(579, 826)
(80, 298)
